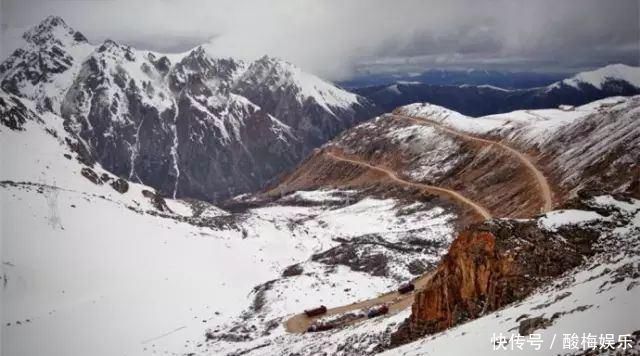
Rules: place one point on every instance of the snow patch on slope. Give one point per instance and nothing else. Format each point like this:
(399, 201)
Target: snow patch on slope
(552, 220)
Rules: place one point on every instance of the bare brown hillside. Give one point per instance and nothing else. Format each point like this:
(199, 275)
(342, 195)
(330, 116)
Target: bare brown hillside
(480, 171)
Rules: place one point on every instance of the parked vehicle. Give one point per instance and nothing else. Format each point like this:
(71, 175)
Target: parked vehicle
(406, 288)
(316, 311)
(377, 311)
(320, 327)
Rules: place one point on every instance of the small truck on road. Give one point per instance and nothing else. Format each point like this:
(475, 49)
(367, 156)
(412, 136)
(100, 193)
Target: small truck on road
(316, 311)
(406, 288)
(377, 311)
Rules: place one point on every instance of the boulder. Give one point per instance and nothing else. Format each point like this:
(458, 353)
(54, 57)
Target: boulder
(91, 175)
(120, 185)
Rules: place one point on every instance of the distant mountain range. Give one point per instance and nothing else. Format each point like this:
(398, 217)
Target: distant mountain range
(502, 79)
(612, 80)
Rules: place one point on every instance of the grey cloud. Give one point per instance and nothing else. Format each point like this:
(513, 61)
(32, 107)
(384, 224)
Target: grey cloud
(337, 39)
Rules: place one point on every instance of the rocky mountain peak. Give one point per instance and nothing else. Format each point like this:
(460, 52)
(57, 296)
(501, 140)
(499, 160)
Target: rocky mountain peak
(276, 74)
(267, 61)
(116, 50)
(198, 52)
(267, 66)
(52, 48)
(200, 59)
(204, 71)
(53, 29)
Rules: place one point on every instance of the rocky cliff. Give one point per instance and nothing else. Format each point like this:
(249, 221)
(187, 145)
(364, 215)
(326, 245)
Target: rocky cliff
(190, 125)
(499, 262)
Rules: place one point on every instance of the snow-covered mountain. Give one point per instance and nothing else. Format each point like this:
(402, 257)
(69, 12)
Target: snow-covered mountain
(570, 270)
(95, 264)
(594, 146)
(454, 77)
(605, 76)
(187, 124)
(480, 100)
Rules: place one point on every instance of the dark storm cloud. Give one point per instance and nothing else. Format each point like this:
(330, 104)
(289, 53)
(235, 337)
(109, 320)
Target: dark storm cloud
(337, 38)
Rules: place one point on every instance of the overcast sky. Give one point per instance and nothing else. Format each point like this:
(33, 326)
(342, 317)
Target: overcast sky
(337, 39)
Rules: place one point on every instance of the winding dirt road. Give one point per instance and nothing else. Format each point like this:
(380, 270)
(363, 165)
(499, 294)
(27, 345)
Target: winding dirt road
(543, 185)
(451, 194)
(397, 302)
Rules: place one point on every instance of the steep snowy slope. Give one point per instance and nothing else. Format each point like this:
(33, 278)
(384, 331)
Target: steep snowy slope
(91, 267)
(40, 153)
(598, 296)
(96, 263)
(188, 124)
(94, 267)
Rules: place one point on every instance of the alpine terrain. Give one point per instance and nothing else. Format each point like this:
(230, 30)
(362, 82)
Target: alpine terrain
(188, 124)
(182, 204)
(486, 99)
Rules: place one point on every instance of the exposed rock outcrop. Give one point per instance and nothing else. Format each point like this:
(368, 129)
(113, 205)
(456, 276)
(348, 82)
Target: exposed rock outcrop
(91, 175)
(157, 200)
(13, 113)
(500, 262)
(530, 325)
(491, 265)
(120, 185)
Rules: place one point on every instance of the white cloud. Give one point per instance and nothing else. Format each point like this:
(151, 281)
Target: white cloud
(333, 38)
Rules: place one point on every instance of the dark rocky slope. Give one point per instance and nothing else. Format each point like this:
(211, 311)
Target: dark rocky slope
(190, 125)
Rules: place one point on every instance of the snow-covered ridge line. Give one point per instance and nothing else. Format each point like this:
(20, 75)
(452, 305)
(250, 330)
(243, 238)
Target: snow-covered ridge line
(567, 143)
(538, 121)
(599, 76)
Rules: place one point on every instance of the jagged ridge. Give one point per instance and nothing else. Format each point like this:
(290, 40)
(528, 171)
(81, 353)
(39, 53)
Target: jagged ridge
(188, 124)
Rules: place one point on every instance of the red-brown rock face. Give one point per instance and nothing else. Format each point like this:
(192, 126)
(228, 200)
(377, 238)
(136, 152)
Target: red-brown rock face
(463, 280)
(489, 266)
